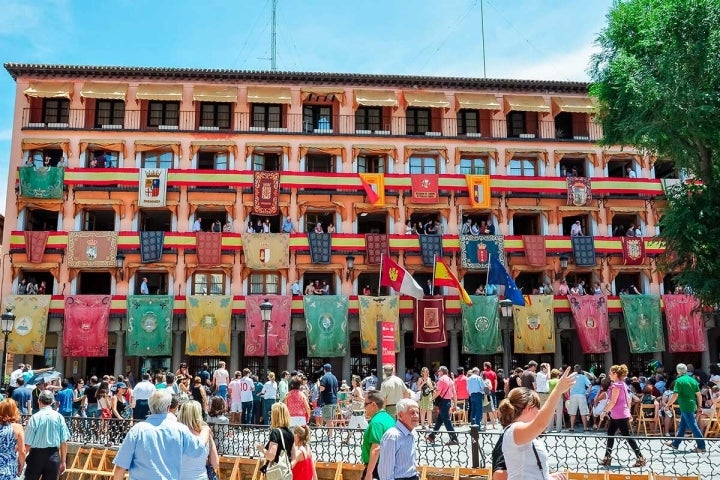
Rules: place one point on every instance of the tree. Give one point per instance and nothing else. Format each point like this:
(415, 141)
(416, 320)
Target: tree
(657, 84)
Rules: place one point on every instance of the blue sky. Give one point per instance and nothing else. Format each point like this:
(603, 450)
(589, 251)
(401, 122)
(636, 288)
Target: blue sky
(524, 39)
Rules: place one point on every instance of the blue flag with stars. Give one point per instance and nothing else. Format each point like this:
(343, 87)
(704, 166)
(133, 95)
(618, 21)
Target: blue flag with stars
(499, 276)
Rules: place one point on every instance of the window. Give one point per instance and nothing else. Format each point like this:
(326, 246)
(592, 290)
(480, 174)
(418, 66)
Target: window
(423, 165)
(371, 164)
(264, 283)
(621, 224)
(38, 156)
(370, 280)
(530, 282)
(266, 161)
(572, 167)
(94, 283)
(372, 223)
(266, 116)
(157, 282)
(41, 279)
(40, 220)
(320, 163)
(621, 168)
(98, 220)
(213, 160)
(368, 118)
(210, 217)
(102, 158)
(522, 124)
(157, 160)
(215, 115)
(628, 282)
(417, 121)
(155, 220)
(56, 110)
(567, 223)
(325, 218)
(474, 166)
(320, 281)
(523, 167)
(109, 112)
(468, 122)
(575, 278)
(526, 224)
(163, 114)
(665, 169)
(317, 118)
(208, 283)
(563, 125)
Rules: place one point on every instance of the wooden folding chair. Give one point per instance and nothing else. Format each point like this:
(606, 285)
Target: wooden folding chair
(247, 469)
(631, 476)
(329, 470)
(227, 467)
(712, 424)
(475, 473)
(352, 471)
(586, 475)
(460, 415)
(648, 415)
(440, 473)
(79, 463)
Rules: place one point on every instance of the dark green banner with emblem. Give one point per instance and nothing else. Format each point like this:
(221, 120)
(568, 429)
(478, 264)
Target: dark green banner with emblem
(326, 325)
(41, 182)
(481, 330)
(149, 328)
(643, 323)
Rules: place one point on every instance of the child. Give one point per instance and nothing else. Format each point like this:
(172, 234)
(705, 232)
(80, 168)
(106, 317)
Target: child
(303, 463)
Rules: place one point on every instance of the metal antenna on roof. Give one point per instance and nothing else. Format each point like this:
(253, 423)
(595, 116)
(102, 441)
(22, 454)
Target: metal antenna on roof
(482, 31)
(273, 38)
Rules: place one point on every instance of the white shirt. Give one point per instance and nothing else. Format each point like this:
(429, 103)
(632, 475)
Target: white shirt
(14, 377)
(143, 390)
(541, 381)
(270, 391)
(221, 377)
(575, 230)
(197, 227)
(246, 389)
(296, 289)
(632, 174)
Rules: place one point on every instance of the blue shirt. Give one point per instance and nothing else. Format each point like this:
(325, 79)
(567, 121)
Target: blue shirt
(155, 448)
(287, 226)
(64, 400)
(580, 386)
(399, 456)
(46, 429)
(22, 396)
(475, 384)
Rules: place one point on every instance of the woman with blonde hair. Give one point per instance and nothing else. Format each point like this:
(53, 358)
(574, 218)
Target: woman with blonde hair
(618, 406)
(281, 439)
(303, 462)
(426, 388)
(269, 395)
(191, 414)
(12, 441)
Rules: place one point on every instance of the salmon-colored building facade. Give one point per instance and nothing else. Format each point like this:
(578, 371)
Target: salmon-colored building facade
(213, 128)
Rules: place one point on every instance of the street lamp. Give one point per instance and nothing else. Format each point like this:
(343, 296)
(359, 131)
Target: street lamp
(6, 325)
(506, 315)
(266, 314)
(349, 266)
(119, 263)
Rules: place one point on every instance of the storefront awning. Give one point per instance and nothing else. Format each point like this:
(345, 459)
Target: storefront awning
(215, 93)
(42, 143)
(461, 152)
(426, 99)
(574, 104)
(428, 149)
(477, 101)
(269, 95)
(112, 144)
(376, 98)
(336, 93)
(526, 103)
(168, 93)
(152, 145)
(228, 145)
(50, 90)
(106, 91)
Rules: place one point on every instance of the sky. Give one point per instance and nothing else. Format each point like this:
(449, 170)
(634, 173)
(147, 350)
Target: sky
(524, 39)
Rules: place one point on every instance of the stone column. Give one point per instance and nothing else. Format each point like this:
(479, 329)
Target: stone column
(291, 352)
(177, 348)
(60, 358)
(557, 358)
(234, 352)
(507, 347)
(705, 362)
(400, 368)
(454, 350)
(608, 359)
(346, 367)
(119, 352)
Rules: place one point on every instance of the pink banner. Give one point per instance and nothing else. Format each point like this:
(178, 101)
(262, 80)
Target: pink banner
(430, 323)
(686, 331)
(278, 328)
(591, 322)
(387, 342)
(85, 329)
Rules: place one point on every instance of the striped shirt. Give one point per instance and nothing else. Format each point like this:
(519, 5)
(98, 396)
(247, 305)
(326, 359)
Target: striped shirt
(399, 455)
(46, 429)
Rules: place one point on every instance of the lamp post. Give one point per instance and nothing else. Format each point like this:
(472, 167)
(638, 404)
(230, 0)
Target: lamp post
(119, 263)
(506, 315)
(349, 266)
(7, 324)
(266, 314)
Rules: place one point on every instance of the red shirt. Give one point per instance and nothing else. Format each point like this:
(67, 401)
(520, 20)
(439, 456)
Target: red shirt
(461, 387)
(492, 376)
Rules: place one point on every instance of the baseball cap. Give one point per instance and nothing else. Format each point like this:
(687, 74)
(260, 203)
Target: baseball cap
(327, 366)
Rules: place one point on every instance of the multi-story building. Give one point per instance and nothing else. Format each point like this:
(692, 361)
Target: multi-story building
(214, 128)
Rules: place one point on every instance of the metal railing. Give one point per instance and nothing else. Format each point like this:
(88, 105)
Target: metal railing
(246, 122)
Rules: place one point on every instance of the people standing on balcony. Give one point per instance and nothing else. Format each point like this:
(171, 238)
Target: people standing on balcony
(630, 232)
(576, 229)
(287, 226)
(197, 225)
(62, 163)
(366, 290)
(466, 226)
(331, 228)
(310, 289)
(474, 229)
(22, 287)
(32, 287)
(408, 228)
(295, 288)
(250, 227)
(431, 227)
(217, 226)
(266, 226)
(630, 172)
(227, 227)
(258, 226)
(325, 289)
(144, 290)
(319, 228)
(563, 288)
(486, 228)
(419, 229)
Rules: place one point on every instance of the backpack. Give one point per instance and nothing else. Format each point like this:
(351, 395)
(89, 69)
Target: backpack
(498, 458)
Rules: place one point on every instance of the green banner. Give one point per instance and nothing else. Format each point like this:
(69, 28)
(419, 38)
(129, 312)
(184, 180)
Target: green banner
(41, 182)
(643, 323)
(481, 330)
(149, 330)
(326, 325)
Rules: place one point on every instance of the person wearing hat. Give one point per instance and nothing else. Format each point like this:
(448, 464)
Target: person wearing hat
(328, 394)
(46, 437)
(392, 390)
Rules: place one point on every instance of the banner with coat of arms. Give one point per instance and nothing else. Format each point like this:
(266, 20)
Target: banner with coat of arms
(373, 310)
(326, 325)
(152, 188)
(475, 250)
(41, 182)
(579, 191)
(278, 332)
(425, 188)
(149, 325)
(591, 322)
(633, 250)
(31, 318)
(92, 249)
(85, 329)
(535, 325)
(266, 251)
(208, 325)
(686, 329)
(430, 330)
(481, 328)
(643, 321)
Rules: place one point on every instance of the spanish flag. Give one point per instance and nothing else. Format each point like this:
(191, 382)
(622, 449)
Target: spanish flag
(443, 277)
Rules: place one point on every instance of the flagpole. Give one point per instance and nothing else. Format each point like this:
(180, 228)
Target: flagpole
(432, 287)
(382, 256)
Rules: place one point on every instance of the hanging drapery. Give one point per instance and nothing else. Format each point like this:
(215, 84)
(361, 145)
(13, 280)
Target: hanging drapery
(209, 248)
(534, 246)
(430, 330)
(208, 325)
(481, 328)
(35, 243)
(326, 325)
(41, 182)
(30, 327)
(643, 322)
(535, 325)
(149, 327)
(266, 193)
(374, 309)
(278, 332)
(591, 322)
(85, 327)
(686, 329)
(430, 247)
(151, 246)
(266, 251)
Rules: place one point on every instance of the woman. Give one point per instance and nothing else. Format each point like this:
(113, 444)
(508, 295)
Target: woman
(525, 456)
(281, 439)
(118, 403)
(426, 388)
(269, 395)
(618, 407)
(184, 386)
(297, 403)
(303, 462)
(499, 392)
(217, 411)
(12, 441)
(79, 399)
(600, 401)
(191, 415)
(199, 394)
(357, 405)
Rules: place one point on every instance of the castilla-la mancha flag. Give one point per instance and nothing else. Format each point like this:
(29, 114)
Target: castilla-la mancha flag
(394, 276)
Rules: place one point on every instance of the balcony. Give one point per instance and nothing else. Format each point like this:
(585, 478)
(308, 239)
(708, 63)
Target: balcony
(298, 124)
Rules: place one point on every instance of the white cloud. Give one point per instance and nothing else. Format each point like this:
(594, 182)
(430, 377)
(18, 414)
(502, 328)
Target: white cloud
(571, 65)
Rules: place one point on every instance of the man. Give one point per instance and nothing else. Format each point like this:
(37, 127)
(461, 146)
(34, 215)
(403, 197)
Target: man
(399, 457)
(687, 393)
(64, 398)
(221, 379)
(379, 421)
(295, 288)
(465, 230)
(235, 390)
(46, 437)
(204, 374)
(445, 391)
(23, 397)
(141, 394)
(528, 377)
(578, 398)
(328, 394)
(91, 408)
(247, 387)
(144, 290)
(542, 382)
(576, 229)
(476, 387)
(461, 388)
(370, 382)
(14, 375)
(156, 447)
(284, 385)
(392, 389)
(197, 225)
(287, 226)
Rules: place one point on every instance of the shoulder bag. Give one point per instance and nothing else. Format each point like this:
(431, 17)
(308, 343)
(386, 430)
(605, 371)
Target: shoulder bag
(280, 470)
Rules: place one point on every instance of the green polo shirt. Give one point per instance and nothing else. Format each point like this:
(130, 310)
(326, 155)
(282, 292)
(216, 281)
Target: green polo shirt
(686, 387)
(378, 425)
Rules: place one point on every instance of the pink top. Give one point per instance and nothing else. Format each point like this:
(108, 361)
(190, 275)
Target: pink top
(297, 405)
(236, 390)
(621, 409)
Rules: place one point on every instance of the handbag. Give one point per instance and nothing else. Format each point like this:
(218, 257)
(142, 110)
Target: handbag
(280, 470)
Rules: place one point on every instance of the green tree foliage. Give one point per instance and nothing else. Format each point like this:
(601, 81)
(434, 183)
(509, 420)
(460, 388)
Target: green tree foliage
(657, 84)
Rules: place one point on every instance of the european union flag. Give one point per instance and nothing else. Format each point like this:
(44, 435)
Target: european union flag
(499, 276)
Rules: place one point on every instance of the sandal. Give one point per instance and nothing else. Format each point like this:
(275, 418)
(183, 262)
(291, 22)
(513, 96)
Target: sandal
(640, 462)
(605, 462)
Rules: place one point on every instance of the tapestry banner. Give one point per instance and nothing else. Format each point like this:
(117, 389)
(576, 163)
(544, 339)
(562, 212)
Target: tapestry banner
(579, 191)
(475, 250)
(35, 243)
(151, 246)
(425, 188)
(583, 251)
(41, 182)
(278, 332)
(320, 247)
(266, 193)
(633, 250)
(481, 329)
(430, 246)
(149, 325)
(590, 313)
(430, 329)
(208, 325)
(31, 318)
(152, 188)
(266, 251)
(92, 249)
(686, 330)
(534, 246)
(643, 322)
(326, 325)
(85, 329)
(373, 310)
(535, 325)
(209, 248)
(376, 244)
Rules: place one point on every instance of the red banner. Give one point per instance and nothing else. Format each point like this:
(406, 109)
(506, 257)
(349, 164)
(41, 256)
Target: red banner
(534, 246)
(425, 188)
(85, 329)
(686, 331)
(387, 343)
(278, 328)
(266, 193)
(591, 322)
(209, 248)
(430, 329)
(633, 250)
(35, 243)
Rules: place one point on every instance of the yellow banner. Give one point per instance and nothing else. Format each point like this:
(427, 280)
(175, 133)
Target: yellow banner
(535, 325)
(31, 317)
(371, 311)
(208, 325)
(266, 251)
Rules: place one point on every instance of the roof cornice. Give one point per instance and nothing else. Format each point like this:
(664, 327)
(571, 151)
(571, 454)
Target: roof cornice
(41, 71)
